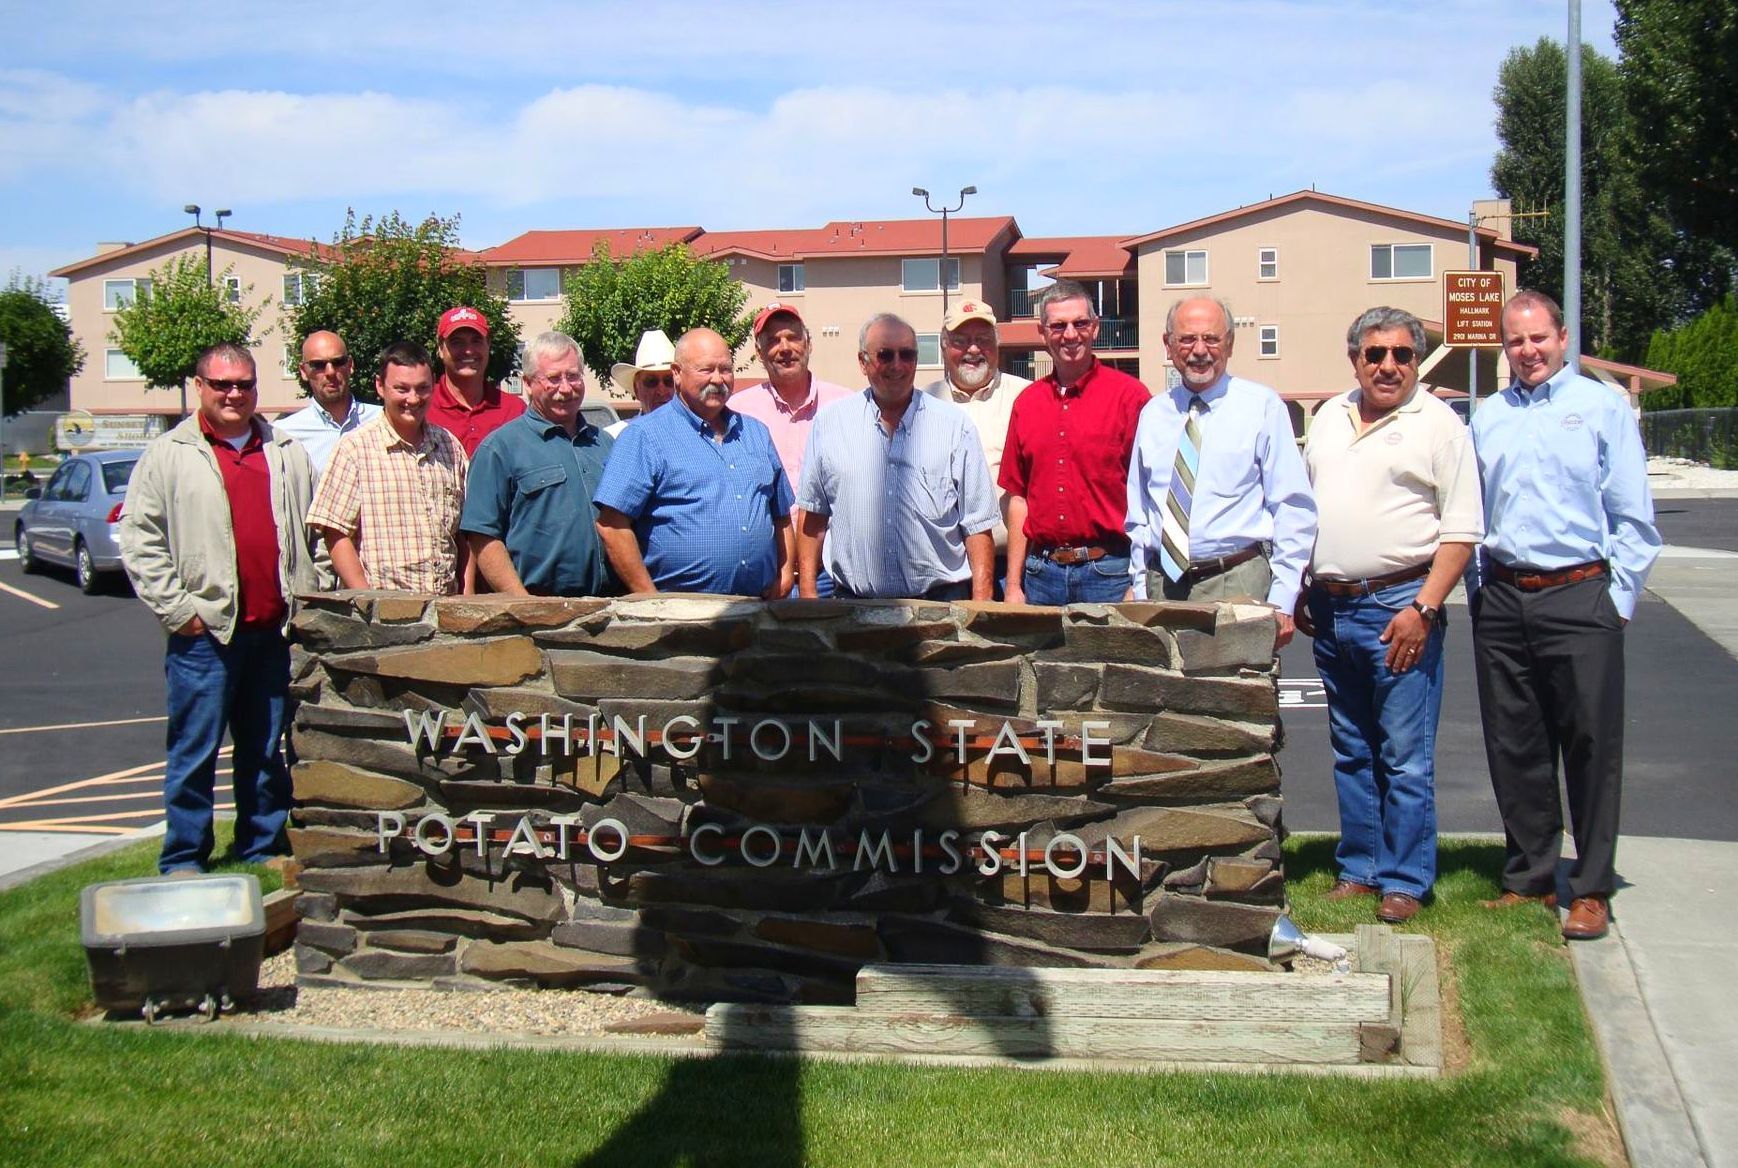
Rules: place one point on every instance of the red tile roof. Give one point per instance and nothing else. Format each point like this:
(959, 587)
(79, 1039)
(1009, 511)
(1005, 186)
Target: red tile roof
(846, 237)
(575, 247)
(1079, 257)
(1488, 235)
(282, 244)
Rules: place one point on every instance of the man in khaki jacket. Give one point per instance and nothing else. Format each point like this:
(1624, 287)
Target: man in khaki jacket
(213, 538)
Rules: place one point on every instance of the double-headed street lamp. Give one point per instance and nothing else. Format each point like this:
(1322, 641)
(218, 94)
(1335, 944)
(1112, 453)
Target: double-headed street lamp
(193, 210)
(944, 212)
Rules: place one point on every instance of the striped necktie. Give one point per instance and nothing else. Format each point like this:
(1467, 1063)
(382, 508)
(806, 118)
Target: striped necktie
(1174, 523)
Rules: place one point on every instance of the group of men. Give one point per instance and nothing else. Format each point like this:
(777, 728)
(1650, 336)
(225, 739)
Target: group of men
(1082, 486)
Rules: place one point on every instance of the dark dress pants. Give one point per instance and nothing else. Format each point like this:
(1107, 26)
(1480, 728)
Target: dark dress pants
(1550, 678)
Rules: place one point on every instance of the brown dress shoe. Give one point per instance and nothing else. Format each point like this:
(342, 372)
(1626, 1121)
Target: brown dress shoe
(1397, 908)
(1511, 899)
(1348, 889)
(1589, 919)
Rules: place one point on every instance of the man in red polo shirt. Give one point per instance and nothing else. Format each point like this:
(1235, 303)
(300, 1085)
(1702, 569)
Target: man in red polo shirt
(465, 401)
(1065, 464)
(214, 541)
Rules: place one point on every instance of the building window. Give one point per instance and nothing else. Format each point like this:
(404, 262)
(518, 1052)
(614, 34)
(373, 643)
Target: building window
(117, 366)
(1267, 263)
(534, 283)
(790, 278)
(120, 293)
(929, 348)
(232, 289)
(292, 362)
(1185, 267)
(298, 286)
(1267, 341)
(925, 275)
(1400, 261)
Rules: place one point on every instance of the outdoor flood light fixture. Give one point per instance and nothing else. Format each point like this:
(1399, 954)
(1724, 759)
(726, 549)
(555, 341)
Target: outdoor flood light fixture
(173, 942)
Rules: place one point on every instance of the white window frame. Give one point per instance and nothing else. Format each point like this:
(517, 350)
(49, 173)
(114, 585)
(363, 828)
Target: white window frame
(1267, 342)
(929, 350)
(1266, 263)
(1391, 249)
(303, 283)
(929, 283)
(523, 296)
(232, 289)
(796, 282)
(109, 374)
(1187, 255)
(133, 283)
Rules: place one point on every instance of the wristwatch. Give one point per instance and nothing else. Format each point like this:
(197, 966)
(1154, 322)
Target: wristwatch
(1426, 611)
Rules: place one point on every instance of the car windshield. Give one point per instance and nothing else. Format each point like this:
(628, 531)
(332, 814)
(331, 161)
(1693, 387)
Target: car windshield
(116, 474)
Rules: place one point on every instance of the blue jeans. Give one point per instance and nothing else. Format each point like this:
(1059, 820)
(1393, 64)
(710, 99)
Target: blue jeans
(1104, 581)
(1382, 726)
(243, 685)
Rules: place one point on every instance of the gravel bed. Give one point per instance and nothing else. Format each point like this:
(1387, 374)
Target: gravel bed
(492, 1011)
(1681, 472)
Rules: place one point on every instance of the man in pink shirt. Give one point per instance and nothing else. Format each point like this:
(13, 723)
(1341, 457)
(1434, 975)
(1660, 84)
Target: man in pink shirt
(789, 398)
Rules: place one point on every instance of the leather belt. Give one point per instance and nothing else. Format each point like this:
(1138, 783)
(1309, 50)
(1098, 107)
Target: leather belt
(1083, 554)
(1537, 580)
(1200, 570)
(1373, 584)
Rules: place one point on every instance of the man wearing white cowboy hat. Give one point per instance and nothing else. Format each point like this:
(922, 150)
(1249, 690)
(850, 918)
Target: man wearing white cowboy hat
(790, 397)
(650, 379)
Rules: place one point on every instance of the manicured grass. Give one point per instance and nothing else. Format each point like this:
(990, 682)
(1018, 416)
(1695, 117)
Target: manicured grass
(88, 1094)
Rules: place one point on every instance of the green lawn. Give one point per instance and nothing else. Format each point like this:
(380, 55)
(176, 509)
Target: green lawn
(75, 1093)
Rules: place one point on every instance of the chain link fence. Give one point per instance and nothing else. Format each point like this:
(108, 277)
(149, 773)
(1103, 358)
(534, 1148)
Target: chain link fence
(1709, 436)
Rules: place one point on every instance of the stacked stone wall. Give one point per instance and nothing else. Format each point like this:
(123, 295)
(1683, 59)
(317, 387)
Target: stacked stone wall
(1133, 727)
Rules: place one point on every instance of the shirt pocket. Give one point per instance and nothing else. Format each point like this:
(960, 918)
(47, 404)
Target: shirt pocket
(539, 479)
(935, 496)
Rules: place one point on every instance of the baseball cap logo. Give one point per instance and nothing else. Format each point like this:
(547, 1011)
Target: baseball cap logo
(466, 314)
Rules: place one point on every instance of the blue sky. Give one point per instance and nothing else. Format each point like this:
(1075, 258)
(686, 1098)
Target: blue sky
(1092, 117)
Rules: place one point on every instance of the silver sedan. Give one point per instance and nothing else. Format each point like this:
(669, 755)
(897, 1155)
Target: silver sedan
(74, 520)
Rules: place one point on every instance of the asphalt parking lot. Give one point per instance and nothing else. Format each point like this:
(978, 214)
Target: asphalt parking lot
(81, 712)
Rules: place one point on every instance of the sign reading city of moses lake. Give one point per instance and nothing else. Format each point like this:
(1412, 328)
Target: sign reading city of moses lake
(724, 799)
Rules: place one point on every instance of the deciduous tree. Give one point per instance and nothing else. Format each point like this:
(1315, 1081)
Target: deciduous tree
(41, 354)
(163, 331)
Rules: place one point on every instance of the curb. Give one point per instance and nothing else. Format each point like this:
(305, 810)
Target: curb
(12, 880)
(1651, 1113)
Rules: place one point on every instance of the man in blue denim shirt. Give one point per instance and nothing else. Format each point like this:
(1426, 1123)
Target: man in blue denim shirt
(1398, 514)
(694, 498)
(528, 513)
(1570, 539)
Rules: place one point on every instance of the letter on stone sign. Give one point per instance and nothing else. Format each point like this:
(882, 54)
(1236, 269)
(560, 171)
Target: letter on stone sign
(817, 739)
(992, 861)
(524, 840)
(875, 854)
(713, 859)
(954, 859)
(425, 727)
(474, 733)
(920, 734)
(1088, 741)
(390, 824)
(1007, 742)
(813, 852)
(516, 727)
(695, 742)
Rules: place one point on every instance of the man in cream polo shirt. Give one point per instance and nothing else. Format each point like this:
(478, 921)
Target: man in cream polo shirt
(1398, 513)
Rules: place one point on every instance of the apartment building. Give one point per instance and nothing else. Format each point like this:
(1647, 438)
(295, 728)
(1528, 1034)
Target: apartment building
(1295, 270)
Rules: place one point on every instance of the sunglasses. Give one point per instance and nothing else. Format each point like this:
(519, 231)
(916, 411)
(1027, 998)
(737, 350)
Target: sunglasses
(321, 364)
(1376, 354)
(889, 356)
(223, 386)
(656, 380)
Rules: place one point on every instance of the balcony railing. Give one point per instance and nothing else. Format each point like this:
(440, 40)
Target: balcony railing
(1020, 302)
(1118, 334)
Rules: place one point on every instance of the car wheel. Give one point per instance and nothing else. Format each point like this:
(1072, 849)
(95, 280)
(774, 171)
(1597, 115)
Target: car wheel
(27, 561)
(89, 582)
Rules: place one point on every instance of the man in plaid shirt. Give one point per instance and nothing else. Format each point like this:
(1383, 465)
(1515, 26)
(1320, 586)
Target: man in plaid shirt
(389, 501)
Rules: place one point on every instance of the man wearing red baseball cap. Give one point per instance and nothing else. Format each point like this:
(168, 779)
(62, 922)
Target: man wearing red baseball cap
(465, 402)
(787, 401)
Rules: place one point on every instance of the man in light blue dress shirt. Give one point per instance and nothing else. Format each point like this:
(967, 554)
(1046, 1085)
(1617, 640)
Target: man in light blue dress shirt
(333, 413)
(1569, 540)
(1252, 521)
(896, 484)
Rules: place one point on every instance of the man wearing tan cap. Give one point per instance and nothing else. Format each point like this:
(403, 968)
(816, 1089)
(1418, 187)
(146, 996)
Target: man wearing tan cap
(787, 401)
(975, 382)
(650, 380)
(466, 403)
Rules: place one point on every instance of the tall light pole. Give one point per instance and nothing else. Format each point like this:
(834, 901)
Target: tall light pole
(944, 212)
(193, 210)
(3, 421)
(1572, 192)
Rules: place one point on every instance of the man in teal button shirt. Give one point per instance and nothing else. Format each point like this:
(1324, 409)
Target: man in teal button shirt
(1569, 540)
(528, 512)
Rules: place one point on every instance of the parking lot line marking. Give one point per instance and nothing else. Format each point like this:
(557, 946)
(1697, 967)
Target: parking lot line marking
(157, 794)
(86, 829)
(12, 800)
(82, 725)
(32, 598)
(67, 819)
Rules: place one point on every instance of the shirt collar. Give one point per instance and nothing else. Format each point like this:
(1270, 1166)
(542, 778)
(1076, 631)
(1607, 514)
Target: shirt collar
(1085, 383)
(732, 420)
(456, 400)
(1210, 397)
(1411, 405)
(390, 439)
(586, 432)
(983, 393)
(253, 436)
(1546, 390)
(778, 400)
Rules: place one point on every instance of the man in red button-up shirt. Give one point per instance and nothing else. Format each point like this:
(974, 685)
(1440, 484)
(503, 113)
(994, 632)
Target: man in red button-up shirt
(1065, 464)
(465, 402)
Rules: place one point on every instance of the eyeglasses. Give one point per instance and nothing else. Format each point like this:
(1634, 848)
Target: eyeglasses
(574, 379)
(656, 381)
(962, 343)
(1403, 354)
(226, 386)
(888, 356)
(1211, 340)
(1057, 328)
(321, 364)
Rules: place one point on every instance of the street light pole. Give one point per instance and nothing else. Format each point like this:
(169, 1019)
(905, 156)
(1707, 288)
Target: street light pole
(944, 211)
(1572, 192)
(3, 421)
